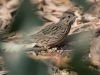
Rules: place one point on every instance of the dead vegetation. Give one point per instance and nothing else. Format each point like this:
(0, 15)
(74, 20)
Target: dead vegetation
(85, 32)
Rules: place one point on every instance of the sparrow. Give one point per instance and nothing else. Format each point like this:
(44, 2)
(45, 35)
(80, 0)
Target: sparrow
(53, 34)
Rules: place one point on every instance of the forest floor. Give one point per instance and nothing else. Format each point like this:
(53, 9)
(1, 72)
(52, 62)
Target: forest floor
(86, 29)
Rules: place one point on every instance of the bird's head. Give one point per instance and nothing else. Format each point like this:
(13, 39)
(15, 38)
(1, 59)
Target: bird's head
(68, 18)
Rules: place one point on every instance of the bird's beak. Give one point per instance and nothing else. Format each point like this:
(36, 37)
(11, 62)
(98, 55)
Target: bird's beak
(76, 17)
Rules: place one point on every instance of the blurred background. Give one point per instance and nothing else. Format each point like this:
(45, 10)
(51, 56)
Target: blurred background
(22, 18)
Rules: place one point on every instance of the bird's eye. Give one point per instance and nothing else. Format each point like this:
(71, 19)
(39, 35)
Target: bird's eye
(68, 16)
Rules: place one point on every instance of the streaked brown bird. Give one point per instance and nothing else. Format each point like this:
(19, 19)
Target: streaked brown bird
(53, 34)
